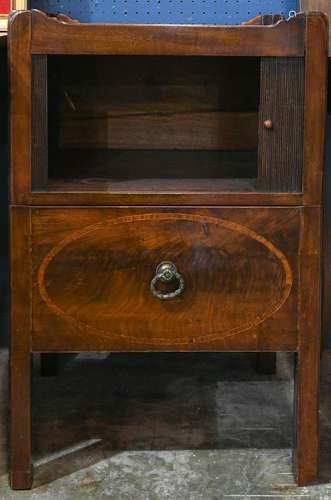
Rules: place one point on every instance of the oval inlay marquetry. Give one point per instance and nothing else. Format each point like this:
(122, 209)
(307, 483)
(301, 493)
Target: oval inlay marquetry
(98, 278)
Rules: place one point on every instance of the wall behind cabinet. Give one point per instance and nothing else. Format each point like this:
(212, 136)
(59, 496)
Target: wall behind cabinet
(166, 11)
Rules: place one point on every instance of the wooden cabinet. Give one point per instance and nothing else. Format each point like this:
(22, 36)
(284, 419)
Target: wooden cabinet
(166, 195)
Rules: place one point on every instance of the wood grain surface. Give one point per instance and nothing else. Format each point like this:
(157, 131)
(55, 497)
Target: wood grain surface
(307, 375)
(39, 129)
(108, 257)
(250, 259)
(156, 102)
(53, 36)
(20, 350)
(20, 75)
(316, 74)
(281, 102)
(317, 6)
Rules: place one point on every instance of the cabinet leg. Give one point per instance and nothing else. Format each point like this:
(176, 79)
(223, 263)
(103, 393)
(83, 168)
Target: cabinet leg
(266, 363)
(21, 474)
(306, 458)
(20, 351)
(307, 370)
(49, 364)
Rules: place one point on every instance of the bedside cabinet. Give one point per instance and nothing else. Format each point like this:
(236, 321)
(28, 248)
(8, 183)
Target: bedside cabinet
(166, 195)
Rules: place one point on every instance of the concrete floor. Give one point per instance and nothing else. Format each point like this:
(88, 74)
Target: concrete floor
(165, 426)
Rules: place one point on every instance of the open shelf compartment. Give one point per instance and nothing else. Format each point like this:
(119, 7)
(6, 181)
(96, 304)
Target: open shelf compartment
(167, 124)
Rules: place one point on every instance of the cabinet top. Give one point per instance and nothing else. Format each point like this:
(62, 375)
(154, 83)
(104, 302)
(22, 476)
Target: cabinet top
(60, 34)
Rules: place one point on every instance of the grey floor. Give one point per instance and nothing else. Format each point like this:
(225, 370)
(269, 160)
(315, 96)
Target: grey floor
(165, 426)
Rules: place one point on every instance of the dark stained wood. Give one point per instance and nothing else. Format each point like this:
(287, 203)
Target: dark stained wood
(316, 84)
(315, 106)
(196, 130)
(63, 18)
(170, 102)
(308, 363)
(131, 84)
(20, 351)
(153, 192)
(116, 171)
(107, 166)
(160, 197)
(251, 260)
(264, 19)
(317, 6)
(19, 60)
(50, 36)
(109, 257)
(281, 140)
(323, 6)
(39, 122)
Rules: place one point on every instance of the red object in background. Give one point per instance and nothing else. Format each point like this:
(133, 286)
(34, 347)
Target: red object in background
(5, 6)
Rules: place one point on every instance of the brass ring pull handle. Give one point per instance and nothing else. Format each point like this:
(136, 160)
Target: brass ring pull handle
(165, 273)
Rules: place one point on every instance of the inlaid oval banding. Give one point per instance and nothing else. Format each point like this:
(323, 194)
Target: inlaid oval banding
(98, 278)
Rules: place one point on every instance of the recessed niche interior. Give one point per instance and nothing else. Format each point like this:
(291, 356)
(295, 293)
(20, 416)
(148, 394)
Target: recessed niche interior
(146, 123)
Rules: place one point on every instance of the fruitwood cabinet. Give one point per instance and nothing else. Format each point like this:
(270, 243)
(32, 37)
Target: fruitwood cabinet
(167, 195)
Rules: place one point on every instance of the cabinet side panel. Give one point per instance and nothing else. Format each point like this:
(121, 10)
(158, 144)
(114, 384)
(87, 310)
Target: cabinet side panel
(20, 105)
(315, 107)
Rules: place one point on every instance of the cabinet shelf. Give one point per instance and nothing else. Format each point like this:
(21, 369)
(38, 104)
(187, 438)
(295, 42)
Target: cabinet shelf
(149, 171)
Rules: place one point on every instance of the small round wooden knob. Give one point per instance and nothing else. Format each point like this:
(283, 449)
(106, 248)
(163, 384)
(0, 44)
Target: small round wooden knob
(268, 124)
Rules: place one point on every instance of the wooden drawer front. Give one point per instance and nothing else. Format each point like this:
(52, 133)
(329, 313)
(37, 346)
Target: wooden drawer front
(93, 268)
